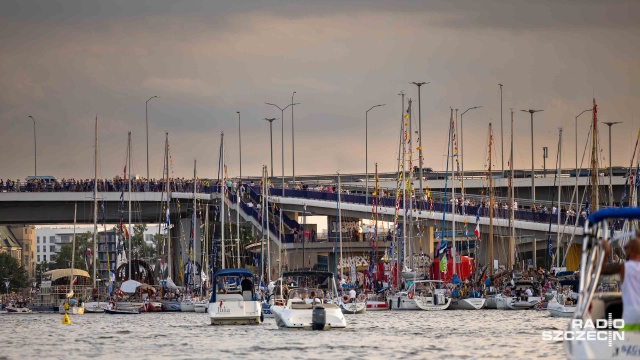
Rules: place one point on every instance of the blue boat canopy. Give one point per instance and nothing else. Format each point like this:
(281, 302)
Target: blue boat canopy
(623, 213)
(234, 272)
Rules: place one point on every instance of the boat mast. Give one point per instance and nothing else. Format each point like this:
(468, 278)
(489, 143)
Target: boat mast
(404, 198)
(594, 159)
(266, 209)
(95, 206)
(130, 228)
(238, 218)
(490, 203)
(205, 257)
(73, 247)
(340, 221)
(409, 242)
(168, 190)
(224, 185)
(262, 225)
(512, 204)
(453, 200)
(192, 253)
(558, 207)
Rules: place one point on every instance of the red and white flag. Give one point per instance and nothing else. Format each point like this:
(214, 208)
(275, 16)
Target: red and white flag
(477, 231)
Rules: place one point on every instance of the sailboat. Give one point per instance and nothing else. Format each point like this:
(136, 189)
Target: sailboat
(357, 306)
(466, 303)
(188, 302)
(74, 307)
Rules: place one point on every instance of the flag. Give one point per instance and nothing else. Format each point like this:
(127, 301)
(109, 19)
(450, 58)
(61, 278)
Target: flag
(443, 262)
(550, 247)
(477, 231)
(75, 280)
(126, 233)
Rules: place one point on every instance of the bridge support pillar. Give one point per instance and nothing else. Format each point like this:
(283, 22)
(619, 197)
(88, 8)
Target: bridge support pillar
(533, 243)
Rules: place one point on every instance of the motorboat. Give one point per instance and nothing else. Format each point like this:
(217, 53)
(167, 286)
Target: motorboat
(130, 311)
(95, 307)
(560, 307)
(170, 306)
(497, 301)
(17, 310)
(467, 304)
(201, 306)
(421, 295)
(75, 308)
(311, 304)
(521, 301)
(188, 305)
(376, 302)
(356, 307)
(237, 305)
(601, 307)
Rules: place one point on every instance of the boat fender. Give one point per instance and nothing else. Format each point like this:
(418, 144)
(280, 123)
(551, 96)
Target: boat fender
(261, 317)
(318, 318)
(390, 304)
(398, 302)
(345, 298)
(362, 297)
(410, 295)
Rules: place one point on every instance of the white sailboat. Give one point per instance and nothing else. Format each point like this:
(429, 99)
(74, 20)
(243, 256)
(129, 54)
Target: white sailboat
(188, 302)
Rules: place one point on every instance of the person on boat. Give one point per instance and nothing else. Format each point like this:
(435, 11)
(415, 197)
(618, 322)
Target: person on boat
(247, 285)
(352, 295)
(295, 296)
(630, 278)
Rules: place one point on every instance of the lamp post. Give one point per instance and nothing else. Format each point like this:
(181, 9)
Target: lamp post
(610, 124)
(462, 146)
(271, 120)
(419, 84)
(533, 177)
(501, 132)
(240, 143)
(545, 156)
(293, 144)
(146, 116)
(282, 136)
(35, 152)
(366, 150)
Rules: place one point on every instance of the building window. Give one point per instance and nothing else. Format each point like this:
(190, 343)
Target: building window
(38, 239)
(52, 248)
(52, 239)
(44, 239)
(38, 258)
(38, 248)
(45, 258)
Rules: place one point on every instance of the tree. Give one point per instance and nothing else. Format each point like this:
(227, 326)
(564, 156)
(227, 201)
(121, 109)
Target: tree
(10, 269)
(140, 248)
(63, 258)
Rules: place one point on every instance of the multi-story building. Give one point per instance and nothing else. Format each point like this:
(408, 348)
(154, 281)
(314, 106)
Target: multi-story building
(25, 236)
(9, 244)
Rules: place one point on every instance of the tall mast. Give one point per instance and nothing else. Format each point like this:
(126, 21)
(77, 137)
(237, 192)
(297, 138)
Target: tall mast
(95, 206)
(224, 185)
(558, 207)
(594, 159)
(404, 194)
(490, 202)
(512, 204)
(340, 221)
(453, 200)
(73, 248)
(266, 210)
(409, 242)
(192, 253)
(238, 219)
(262, 225)
(130, 228)
(206, 239)
(168, 190)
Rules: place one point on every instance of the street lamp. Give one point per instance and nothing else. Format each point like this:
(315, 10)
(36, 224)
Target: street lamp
(462, 145)
(419, 84)
(240, 143)
(282, 136)
(366, 149)
(35, 152)
(609, 124)
(533, 177)
(293, 144)
(271, 120)
(146, 116)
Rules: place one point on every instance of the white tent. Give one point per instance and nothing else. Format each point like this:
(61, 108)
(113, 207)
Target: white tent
(129, 286)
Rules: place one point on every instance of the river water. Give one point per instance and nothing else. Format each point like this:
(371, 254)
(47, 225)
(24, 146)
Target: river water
(482, 334)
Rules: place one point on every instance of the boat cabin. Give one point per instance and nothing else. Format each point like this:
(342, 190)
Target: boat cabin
(233, 284)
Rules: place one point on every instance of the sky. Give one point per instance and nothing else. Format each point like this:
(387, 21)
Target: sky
(66, 62)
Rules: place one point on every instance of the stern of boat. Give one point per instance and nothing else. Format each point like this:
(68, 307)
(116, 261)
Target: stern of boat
(235, 312)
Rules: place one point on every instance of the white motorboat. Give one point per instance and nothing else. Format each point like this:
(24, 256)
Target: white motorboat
(95, 307)
(467, 304)
(522, 301)
(421, 295)
(188, 305)
(496, 301)
(17, 310)
(561, 308)
(353, 307)
(170, 306)
(237, 306)
(201, 306)
(310, 313)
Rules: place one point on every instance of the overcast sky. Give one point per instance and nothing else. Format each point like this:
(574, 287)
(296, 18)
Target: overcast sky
(64, 62)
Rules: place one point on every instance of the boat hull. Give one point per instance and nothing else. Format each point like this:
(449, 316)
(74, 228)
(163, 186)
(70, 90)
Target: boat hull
(426, 303)
(402, 302)
(73, 310)
(122, 312)
(201, 307)
(15, 310)
(558, 310)
(187, 306)
(170, 306)
(520, 304)
(353, 308)
(235, 312)
(95, 307)
(287, 318)
(467, 304)
(377, 305)
(266, 311)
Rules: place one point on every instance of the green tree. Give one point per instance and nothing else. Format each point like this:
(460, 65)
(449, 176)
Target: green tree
(140, 248)
(10, 269)
(63, 258)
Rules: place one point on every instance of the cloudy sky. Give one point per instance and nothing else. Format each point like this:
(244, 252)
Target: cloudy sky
(64, 62)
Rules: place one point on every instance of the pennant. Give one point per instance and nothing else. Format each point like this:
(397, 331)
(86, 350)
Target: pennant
(477, 231)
